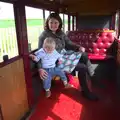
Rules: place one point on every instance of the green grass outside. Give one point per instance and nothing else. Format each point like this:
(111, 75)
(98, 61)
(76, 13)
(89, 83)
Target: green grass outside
(11, 23)
(30, 22)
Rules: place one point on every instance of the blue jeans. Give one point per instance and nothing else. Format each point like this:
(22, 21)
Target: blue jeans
(52, 72)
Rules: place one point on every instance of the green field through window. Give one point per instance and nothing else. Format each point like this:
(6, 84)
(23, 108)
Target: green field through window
(30, 22)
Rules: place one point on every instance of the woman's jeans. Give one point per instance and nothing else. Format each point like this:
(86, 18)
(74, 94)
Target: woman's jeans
(84, 68)
(85, 60)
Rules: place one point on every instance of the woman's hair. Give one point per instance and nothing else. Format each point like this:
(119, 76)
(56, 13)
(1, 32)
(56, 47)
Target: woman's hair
(55, 16)
(49, 42)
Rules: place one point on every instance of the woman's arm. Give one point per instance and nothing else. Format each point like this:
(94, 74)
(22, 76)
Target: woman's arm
(70, 45)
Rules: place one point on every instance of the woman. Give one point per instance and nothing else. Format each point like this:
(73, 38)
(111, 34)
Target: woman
(53, 29)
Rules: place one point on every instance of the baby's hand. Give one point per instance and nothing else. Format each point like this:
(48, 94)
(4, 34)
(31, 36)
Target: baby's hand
(32, 57)
(60, 62)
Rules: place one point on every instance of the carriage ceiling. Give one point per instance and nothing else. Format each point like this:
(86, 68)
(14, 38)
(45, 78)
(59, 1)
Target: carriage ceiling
(83, 7)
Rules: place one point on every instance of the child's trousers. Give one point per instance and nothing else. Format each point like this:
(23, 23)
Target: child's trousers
(52, 72)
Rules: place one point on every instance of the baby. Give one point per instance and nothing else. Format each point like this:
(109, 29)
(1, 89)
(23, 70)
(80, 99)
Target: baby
(49, 56)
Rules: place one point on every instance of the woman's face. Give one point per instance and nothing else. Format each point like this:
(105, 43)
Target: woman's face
(53, 24)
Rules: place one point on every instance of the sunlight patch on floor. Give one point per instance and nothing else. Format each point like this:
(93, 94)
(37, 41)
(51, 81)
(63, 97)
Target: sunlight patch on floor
(68, 106)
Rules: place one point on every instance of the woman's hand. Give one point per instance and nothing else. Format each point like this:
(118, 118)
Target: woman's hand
(82, 49)
(43, 74)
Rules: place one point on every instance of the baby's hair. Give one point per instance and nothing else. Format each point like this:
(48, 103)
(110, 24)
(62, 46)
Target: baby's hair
(49, 42)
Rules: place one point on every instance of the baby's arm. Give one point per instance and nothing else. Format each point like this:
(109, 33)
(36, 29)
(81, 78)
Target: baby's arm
(33, 57)
(37, 55)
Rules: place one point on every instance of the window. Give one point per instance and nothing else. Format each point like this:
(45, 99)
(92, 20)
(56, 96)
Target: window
(62, 16)
(117, 22)
(71, 22)
(74, 22)
(35, 22)
(47, 13)
(65, 22)
(8, 40)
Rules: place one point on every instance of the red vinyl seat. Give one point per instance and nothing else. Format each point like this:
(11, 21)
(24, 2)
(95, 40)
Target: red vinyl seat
(95, 42)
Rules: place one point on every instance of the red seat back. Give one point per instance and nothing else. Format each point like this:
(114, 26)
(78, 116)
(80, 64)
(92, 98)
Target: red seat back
(95, 42)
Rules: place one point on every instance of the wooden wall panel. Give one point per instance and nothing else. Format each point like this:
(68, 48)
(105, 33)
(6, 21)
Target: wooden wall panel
(13, 97)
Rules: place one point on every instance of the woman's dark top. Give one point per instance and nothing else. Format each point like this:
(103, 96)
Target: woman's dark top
(62, 41)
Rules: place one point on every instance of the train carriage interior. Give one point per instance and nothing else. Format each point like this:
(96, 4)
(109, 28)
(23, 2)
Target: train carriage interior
(95, 25)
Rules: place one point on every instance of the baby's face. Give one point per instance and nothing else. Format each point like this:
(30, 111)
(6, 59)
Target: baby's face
(49, 50)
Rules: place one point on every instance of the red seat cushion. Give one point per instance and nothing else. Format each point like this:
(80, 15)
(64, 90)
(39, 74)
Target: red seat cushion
(98, 57)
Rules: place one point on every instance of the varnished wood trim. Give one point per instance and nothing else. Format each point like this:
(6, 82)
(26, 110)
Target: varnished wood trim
(23, 48)
(2, 64)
